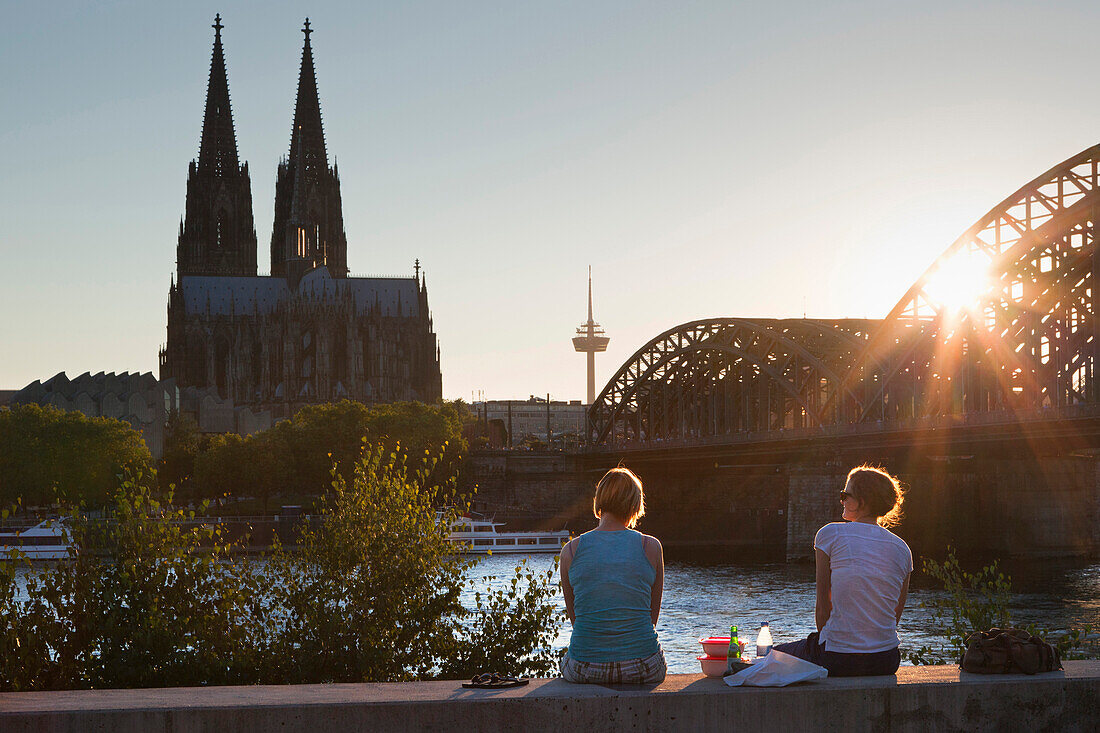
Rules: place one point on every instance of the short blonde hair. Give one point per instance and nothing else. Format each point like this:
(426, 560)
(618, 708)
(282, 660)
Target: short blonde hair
(881, 493)
(620, 493)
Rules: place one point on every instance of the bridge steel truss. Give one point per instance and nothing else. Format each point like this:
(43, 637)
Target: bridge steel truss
(1025, 339)
(728, 375)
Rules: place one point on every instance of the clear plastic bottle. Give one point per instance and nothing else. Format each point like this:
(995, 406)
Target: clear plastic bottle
(763, 640)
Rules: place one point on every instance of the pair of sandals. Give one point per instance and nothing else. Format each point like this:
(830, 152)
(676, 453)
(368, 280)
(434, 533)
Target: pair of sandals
(494, 681)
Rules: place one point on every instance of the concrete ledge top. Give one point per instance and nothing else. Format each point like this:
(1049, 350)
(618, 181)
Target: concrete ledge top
(281, 696)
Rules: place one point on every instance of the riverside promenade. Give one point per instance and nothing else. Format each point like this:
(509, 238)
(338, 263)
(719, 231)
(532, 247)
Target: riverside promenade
(917, 699)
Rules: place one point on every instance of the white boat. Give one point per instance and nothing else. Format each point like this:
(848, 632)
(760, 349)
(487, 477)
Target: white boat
(48, 540)
(481, 536)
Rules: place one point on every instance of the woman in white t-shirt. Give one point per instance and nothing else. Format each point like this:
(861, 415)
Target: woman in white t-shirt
(863, 574)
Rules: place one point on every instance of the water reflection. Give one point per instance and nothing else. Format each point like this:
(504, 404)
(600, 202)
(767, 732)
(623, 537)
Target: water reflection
(703, 598)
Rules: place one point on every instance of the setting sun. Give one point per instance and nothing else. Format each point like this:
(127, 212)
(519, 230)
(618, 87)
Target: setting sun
(959, 282)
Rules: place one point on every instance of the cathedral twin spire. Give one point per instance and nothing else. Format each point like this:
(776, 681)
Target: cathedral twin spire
(218, 148)
(307, 128)
(309, 224)
(217, 237)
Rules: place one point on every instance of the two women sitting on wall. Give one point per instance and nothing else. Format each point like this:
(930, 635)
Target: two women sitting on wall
(613, 576)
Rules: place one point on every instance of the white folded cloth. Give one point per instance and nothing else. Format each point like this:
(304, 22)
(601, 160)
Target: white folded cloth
(777, 669)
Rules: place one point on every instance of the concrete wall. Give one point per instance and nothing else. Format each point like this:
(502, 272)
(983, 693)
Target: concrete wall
(917, 699)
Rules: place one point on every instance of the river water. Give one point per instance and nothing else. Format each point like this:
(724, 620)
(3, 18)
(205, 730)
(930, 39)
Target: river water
(704, 599)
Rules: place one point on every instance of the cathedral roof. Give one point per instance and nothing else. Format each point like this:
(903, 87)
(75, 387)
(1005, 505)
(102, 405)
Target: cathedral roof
(394, 296)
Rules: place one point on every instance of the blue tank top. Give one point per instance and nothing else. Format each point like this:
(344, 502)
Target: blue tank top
(612, 585)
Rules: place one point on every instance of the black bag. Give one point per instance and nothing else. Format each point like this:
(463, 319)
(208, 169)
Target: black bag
(1004, 651)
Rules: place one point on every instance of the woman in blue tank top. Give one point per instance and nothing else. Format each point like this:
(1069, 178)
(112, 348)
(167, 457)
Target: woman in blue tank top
(612, 578)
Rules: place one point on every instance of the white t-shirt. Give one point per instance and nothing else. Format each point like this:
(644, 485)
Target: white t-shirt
(869, 564)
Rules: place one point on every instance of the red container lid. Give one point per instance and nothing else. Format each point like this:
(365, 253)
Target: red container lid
(708, 658)
(715, 640)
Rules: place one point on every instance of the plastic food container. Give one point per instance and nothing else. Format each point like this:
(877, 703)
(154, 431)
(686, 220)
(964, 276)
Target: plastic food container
(718, 646)
(712, 666)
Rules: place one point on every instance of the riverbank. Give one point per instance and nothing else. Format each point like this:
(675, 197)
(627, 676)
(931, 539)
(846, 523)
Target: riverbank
(916, 699)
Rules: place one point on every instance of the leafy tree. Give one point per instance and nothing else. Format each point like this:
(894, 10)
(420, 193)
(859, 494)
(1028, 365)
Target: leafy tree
(182, 443)
(145, 600)
(373, 592)
(510, 630)
(296, 455)
(45, 452)
(235, 466)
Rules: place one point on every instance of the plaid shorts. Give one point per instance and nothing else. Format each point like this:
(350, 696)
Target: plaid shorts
(626, 672)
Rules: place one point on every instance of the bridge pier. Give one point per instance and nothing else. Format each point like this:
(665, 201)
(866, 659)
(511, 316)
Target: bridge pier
(812, 500)
(1023, 495)
(1029, 507)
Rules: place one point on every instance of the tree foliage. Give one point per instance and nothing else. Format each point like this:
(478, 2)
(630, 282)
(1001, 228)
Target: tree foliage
(371, 593)
(46, 452)
(519, 617)
(182, 443)
(145, 600)
(295, 456)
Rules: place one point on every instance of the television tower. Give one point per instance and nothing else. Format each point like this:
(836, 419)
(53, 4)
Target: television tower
(590, 339)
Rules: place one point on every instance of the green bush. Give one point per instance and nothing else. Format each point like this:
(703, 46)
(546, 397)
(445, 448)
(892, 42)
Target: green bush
(979, 601)
(510, 630)
(371, 593)
(145, 600)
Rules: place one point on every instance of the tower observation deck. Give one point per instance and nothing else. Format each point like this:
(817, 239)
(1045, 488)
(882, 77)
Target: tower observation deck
(589, 340)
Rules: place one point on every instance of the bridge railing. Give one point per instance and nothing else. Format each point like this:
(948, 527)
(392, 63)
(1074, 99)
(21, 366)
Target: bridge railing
(972, 419)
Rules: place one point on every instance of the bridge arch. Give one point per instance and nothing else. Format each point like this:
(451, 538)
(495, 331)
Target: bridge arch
(722, 375)
(1026, 337)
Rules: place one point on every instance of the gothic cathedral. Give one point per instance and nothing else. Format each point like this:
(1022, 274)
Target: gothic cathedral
(307, 333)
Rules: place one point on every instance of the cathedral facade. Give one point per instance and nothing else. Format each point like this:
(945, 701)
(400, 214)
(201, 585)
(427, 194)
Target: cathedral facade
(308, 332)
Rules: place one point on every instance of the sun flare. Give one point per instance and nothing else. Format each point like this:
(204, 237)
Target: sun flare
(959, 283)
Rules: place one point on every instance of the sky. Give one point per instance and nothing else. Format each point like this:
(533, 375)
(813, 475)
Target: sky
(705, 158)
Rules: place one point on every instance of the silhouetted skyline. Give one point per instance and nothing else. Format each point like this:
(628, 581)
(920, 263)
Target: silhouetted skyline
(705, 159)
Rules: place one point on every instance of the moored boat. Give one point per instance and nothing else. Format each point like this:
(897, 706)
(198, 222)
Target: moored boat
(46, 540)
(481, 536)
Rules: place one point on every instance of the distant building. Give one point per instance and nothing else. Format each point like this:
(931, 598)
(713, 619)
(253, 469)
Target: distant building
(143, 401)
(519, 419)
(308, 333)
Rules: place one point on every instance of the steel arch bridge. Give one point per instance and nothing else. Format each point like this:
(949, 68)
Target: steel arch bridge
(1003, 321)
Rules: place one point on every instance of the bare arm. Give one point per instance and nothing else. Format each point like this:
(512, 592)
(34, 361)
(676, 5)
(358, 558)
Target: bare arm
(903, 598)
(567, 553)
(656, 556)
(824, 607)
